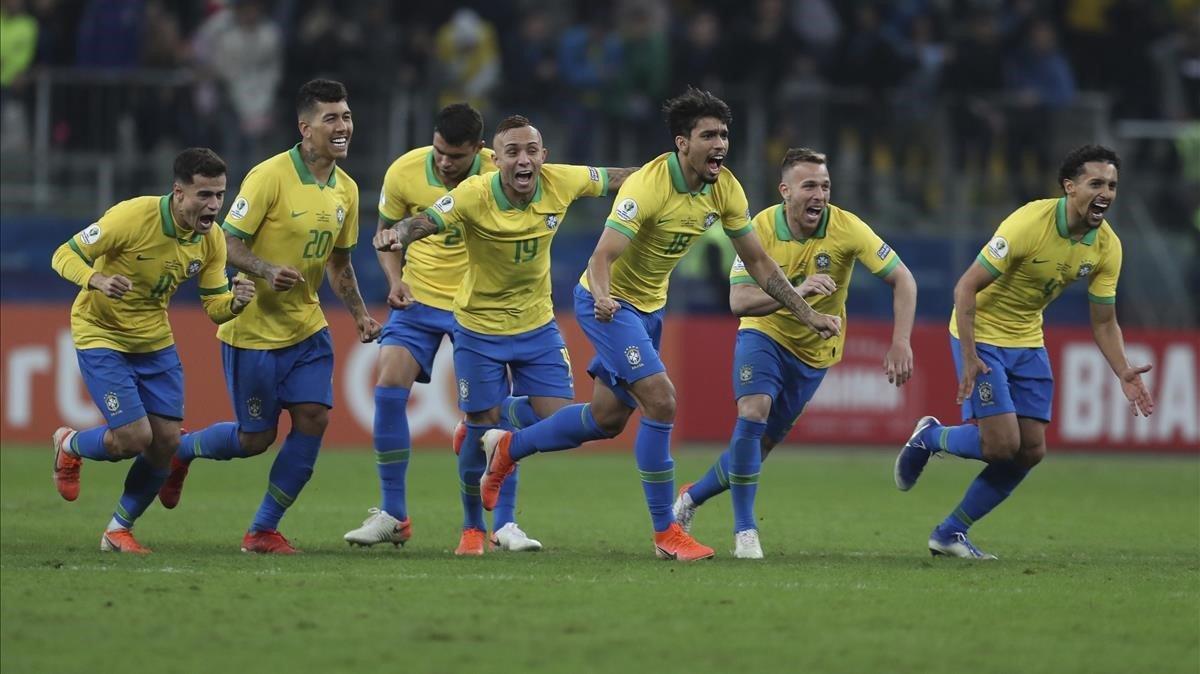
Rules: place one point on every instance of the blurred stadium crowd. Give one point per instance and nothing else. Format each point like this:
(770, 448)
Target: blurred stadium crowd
(939, 115)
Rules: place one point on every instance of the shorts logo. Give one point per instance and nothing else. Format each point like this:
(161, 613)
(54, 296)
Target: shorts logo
(1085, 269)
(445, 204)
(883, 251)
(998, 247)
(823, 261)
(627, 210)
(551, 221)
(593, 174)
(91, 234)
(634, 356)
(746, 373)
(710, 219)
(254, 407)
(240, 208)
(193, 268)
(112, 402)
(340, 213)
(464, 389)
(985, 393)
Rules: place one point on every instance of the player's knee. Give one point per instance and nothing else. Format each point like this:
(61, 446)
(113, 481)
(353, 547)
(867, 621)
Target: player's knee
(658, 401)
(754, 408)
(1000, 447)
(132, 439)
(1032, 455)
(611, 420)
(254, 444)
(311, 419)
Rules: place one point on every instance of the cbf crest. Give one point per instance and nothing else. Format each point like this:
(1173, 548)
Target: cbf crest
(746, 373)
(193, 268)
(1085, 269)
(464, 389)
(551, 221)
(340, 213)
(254, 407)
(112, 402)
(823, 262)
(986, 395)
(710, 219)
(634, 356)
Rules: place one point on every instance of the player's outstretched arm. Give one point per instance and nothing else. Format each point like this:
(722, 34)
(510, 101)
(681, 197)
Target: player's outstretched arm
(1108, 337)
(975, 279)
(770, 278)
(617, 176)
(747, 299)
(281, 279)
(345, 284)
(898, 362)
(73, 261)
(599, 272)
(400, 235)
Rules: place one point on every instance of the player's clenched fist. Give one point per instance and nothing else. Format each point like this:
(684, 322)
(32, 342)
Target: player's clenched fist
(114, 286)
(243, 293)
(387, 239)
(283, 279)
(605, 309)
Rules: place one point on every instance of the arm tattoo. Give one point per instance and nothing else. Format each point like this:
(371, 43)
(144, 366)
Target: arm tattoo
(347, 290)
(617, 176)
(417, 227)
(777, 287)
(240, 258)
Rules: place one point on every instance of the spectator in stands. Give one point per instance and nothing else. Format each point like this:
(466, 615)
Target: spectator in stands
(589, 58)
(468, 61)
(531, 67)
(972, 79)
(915, 130)
(18, 44)
(640, 85)
(698, 53)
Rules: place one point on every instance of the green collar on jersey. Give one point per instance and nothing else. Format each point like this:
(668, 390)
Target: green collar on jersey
(168, 222)
(502, 199)
(677, 180)
(1060, 221)
(306, 176)
(785, 233)
(431, 175)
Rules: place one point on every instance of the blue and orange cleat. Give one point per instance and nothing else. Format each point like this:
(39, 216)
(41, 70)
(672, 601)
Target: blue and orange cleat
(471, 543)
(677, 544)
(914, 455)
(66, 465)
(498, 467)
(122, 540)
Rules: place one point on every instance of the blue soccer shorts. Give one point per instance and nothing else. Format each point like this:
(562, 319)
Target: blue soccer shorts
(419, 329)
(537, 359)
(626, 347)
(262, 382)
(1020, 382)
(762, 367)
(128, 386)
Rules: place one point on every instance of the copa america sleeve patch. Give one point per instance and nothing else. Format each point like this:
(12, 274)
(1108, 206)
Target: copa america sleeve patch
(240, 208)
(738, 265)
(445, 204)
(90, 234)
(883, 251)
(627, 210)
(593, 174)
(998, 247)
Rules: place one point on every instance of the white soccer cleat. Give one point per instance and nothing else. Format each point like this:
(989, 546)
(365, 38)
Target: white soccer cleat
(511, 538)
(746, 545)
(955, 544)
(684, 509)
(380, 527)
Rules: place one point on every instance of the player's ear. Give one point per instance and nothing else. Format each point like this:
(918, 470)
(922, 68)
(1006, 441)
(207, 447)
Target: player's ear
(545, 154)
(681, 143)
(783, 190)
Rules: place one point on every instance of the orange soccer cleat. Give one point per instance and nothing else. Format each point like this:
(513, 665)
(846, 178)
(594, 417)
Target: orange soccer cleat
(66, 465)
(267, 542)
(675, 543)
(172, 489)
(122, 540)
(498, 467)
(471, 543)
(460, 434)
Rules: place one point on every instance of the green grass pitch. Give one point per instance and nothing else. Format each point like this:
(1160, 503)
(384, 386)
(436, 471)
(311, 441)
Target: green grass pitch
(1099, 571)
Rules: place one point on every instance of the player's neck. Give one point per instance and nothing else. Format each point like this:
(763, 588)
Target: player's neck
(796, 226)
(181, 225)
(690, 177)
(320, 167)
(518, 200)
(1076, 224)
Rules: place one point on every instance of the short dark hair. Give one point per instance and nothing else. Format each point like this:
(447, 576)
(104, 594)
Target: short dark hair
(683, 111)
(1072, 164)
(800, 155)
(512, 122)
(459, 123)
(198, 161)
(318, 91)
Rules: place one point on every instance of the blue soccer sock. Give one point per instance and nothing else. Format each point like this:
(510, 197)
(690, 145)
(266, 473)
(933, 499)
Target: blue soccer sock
(506, 505)
(89, 444)
(142, 483)
(652, 449)
(962, 440)
(745, 463)
(569, 427)
(219, 441)
(988, 490)
(392, 448)
(291, 471)
(715, 481)
(471, 462)
(517, 413)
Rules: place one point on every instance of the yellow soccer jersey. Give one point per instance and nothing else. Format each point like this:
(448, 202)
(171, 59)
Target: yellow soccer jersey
(506, 290)
(287, 218)
(840, 239)
(435, 265)
(1033, 259)
(662, 218)
(138, 240)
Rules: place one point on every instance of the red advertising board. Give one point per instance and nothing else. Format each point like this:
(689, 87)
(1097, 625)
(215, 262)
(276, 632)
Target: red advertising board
(855, 405)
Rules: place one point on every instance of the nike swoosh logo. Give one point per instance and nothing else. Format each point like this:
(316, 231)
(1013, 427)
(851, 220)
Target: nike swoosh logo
(144, 257)
(1037, 261)
(296, 214)
(664, 220)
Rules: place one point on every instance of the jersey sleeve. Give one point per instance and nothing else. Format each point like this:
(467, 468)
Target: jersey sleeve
(1007, 246)
(347, 238)
(735, 212)
(738, 274)
(259, 192)
(73, 260)
(1102, 287)
(871, 250)
(636, 204)
(588, 181)
(455, 208)
(214, 285)
(393, 207)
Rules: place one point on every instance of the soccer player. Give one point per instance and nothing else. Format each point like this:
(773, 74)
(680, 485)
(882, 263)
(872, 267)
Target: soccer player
(295, 218)
(129, 264)
(779, 362)
(1005, 384)
(421, 296)
(503, 311)
(619, 304)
